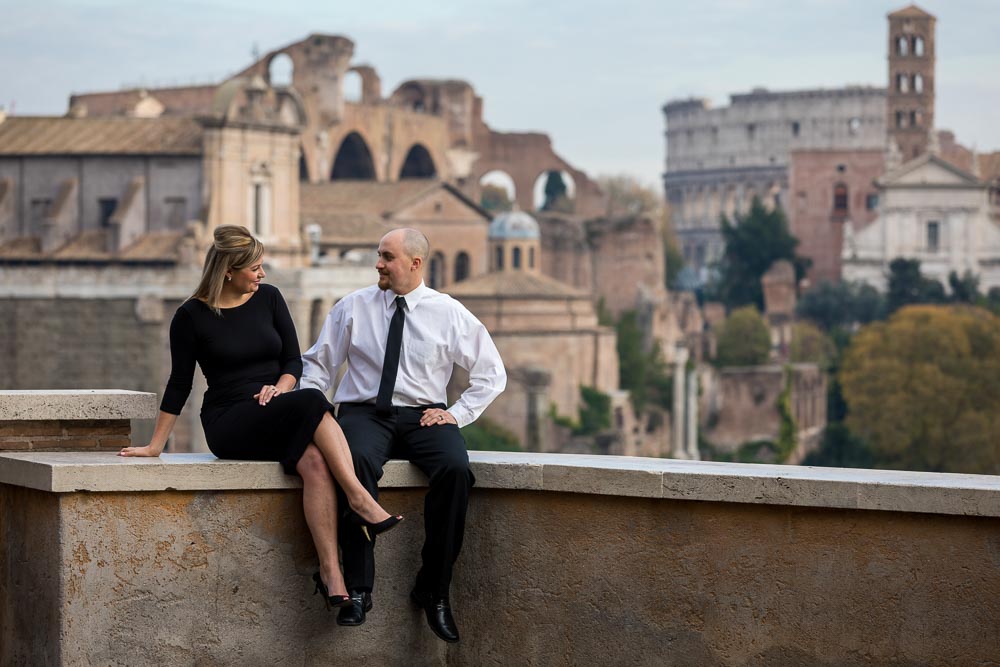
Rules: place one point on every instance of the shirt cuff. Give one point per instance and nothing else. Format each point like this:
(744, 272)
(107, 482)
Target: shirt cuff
(462, 415)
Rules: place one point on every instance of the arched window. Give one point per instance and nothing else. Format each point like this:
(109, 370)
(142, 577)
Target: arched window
(461, 266)
(499, 258)
(303, 168)
(531, 258)
(840, 199)
(418, 164)
(437, 274)
(918, 83)
(353, 161)
(515, 258)
(280, 70)
(918, 46)
(902, 83)
(902, 46)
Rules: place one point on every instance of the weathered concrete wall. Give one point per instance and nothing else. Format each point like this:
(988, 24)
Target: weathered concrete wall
(545, 578)
(582, 579)
(29, 577)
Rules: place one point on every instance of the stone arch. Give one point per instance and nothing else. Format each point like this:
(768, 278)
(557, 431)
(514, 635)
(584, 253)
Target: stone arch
(841, 199)
(497, 178)
(416, 97)
(418, 163)
(729, 206)
(303, 166)
(280, 70)
(538, 191)
(749, 192)
(918, 83)
(902, 45)
(463, 266)
(918, 46)
(353, 160)
(353, 86)
(902, 83)
(436, 271)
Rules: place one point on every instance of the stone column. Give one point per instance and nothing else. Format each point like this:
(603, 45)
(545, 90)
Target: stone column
(691, 416)
(677, 449)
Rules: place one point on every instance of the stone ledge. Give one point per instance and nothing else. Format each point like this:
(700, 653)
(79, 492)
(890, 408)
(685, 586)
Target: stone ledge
(71, 404)
(799, 486)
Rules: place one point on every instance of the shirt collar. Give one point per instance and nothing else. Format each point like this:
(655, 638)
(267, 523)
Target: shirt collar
(412, 299)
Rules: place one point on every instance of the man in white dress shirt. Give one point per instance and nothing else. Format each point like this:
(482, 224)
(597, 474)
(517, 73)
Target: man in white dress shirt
(406, 416)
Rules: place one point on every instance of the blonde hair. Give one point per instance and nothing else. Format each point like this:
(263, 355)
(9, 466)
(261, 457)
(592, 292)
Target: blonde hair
(234, 247)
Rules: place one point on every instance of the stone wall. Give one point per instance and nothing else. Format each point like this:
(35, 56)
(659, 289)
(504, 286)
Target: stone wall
(172, 188)
(812, 215)
(740, 405)
(719, 159)
(567, 560)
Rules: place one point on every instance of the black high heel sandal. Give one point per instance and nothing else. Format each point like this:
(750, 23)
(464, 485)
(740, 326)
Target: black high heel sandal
(331, 601)
(372, 529)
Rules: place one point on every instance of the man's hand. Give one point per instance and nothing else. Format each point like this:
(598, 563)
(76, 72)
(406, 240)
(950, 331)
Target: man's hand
(436, 417)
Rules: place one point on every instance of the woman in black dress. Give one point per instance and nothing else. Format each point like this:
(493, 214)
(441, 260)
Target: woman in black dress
(241, 334)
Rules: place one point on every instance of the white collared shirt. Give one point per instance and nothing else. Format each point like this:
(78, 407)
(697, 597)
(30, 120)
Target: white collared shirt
(439, 332)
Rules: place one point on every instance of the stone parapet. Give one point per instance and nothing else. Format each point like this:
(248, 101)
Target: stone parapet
(628, 476)
(71, 420)
(73, 404)
(186, 559)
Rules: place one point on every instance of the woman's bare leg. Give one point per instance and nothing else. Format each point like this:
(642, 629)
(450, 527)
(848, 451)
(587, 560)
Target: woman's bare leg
(332, 443)
(319, 503)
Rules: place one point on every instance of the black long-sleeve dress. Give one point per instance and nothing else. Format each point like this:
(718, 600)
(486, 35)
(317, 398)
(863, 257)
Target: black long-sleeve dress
(239, 352)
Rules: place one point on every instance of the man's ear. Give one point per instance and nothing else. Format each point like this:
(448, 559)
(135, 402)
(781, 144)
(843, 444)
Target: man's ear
(418, 263)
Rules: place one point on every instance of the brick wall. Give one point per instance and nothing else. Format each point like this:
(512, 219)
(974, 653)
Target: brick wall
(60, 435)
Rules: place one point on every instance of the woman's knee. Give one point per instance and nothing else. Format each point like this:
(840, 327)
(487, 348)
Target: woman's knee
(312, 464)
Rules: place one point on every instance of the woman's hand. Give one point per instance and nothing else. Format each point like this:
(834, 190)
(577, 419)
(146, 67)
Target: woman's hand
(148, 450)
(266, 393)
(436, 417)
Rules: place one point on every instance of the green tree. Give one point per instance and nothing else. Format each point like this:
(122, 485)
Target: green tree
(556, 196)
(841, 305)
(964, 289)
(485, 435)
(494, 199)
(642, 372)
(907, 285)
(923, 389)
(809, 344)
(744, 339)
(595, 412)
(754, 242)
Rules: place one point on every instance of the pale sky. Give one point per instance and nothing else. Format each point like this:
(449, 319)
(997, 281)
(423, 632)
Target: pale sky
(593, 75)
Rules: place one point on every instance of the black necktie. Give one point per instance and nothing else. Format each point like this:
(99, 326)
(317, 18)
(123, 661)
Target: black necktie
(383, 403)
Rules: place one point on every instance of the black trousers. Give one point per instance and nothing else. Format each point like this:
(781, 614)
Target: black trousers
(439, 451)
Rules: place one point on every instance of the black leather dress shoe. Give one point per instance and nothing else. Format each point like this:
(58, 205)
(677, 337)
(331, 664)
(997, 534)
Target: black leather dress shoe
(438, 610)
(361, 604)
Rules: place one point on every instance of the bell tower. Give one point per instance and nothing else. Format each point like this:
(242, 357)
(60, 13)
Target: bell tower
(910, 100)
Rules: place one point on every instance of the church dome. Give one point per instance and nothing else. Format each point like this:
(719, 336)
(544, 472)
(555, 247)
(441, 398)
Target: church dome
(513, 225)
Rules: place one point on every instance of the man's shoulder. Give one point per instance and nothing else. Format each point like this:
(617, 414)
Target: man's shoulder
(363, 295)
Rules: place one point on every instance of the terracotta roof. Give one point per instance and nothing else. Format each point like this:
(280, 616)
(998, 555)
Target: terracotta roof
(911, 11)
(88, 245)
(34, 135)
(155, 246)
(91, 245)
(360, 212)
(989, 165)
(514, 283)
(24, 247)
(183, 100)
